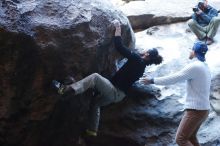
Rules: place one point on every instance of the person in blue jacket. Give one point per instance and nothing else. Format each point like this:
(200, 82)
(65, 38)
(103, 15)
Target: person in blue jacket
(115, 89)
(205, 22)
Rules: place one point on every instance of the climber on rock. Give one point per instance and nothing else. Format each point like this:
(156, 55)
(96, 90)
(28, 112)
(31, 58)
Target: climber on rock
(112, 90)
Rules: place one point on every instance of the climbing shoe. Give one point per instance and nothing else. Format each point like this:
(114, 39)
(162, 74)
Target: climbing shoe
(61, 89)
(91, 133)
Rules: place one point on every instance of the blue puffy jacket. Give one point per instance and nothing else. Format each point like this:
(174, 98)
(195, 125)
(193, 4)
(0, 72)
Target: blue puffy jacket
(206, 16)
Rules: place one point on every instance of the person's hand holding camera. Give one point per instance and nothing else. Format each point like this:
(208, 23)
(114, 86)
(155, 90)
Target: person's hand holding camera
(199, 11)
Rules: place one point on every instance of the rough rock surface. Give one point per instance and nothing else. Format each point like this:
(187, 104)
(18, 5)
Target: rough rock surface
(215, 96)
(44, 40)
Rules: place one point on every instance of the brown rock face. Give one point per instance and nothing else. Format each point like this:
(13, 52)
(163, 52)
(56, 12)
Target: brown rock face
(44, 40)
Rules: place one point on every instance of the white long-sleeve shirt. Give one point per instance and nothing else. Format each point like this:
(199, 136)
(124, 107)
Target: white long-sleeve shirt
(198, 79)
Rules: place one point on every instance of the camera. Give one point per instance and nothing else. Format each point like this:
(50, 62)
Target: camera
(195, 9)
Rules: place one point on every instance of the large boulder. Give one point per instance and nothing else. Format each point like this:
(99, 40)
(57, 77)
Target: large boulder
(44, 40)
